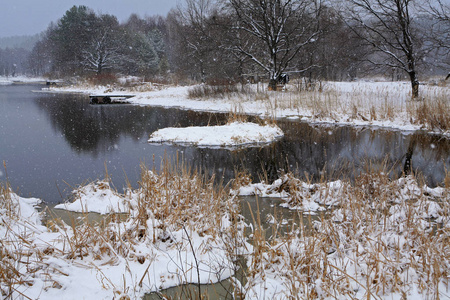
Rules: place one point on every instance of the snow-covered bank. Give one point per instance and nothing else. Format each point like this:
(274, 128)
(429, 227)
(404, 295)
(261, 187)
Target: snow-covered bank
(380, 104)
(97, 197)
(382, 240)
(177, 231)
(314, 197)
(20, 79)
(236, 134)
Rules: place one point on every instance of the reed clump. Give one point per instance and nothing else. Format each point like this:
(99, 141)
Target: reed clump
(383, 238)
(212, 91)
(182, 198)
(434, 114)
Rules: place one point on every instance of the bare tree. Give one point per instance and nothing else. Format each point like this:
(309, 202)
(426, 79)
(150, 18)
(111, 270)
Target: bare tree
(195, 22)
(271, 33)
(388, 27)
(103, 50)
(439, 13)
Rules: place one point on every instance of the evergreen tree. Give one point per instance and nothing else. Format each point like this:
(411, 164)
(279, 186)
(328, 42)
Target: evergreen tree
(71, 37)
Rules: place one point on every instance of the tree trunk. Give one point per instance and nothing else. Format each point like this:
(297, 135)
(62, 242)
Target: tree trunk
(414, 85)
(272, 84)
(407, 167)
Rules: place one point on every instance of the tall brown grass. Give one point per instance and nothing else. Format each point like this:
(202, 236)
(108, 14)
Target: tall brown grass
(434, 114)
(382, 237)
(379, 240)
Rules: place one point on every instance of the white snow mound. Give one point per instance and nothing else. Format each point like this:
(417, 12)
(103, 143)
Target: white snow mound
(235, 134)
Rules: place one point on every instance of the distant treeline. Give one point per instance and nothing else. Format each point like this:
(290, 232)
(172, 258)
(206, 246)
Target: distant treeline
(241, 40)
(25, 42)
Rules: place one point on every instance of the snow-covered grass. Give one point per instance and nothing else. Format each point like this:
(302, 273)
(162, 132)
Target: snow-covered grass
(378, 238)
(382, 104)
(180, 229)
(381, 239)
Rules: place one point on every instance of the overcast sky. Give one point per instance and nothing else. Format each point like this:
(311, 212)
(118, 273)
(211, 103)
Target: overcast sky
(28, 17)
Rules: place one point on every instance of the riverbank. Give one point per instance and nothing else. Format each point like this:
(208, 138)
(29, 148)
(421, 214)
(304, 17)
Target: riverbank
(378, 104)
(383, 239)
(7, 80)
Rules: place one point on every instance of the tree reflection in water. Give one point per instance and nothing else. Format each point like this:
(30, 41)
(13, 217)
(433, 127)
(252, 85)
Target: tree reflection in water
(316, 150)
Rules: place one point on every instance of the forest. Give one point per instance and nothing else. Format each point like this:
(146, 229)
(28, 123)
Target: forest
(228, 41)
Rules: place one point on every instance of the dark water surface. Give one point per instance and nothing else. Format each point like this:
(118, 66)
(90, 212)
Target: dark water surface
(50, 142)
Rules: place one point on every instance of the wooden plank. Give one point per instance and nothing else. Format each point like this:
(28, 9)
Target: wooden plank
(111, 96)
(107, 99)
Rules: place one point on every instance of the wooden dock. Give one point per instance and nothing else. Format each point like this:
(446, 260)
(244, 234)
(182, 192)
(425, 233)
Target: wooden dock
(108, 98)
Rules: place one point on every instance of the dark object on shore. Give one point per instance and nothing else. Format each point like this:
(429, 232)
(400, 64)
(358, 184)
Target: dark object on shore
(284, 78)
(107, 99)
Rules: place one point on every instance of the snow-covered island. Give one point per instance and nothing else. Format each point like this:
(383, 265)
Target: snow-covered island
(232, 135)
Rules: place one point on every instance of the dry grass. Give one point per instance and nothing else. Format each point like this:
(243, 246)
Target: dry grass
(181, 197)
(432, 114)
(380, 237)
(212, 91)
(20, 260)
(342, 102)
(383, 239)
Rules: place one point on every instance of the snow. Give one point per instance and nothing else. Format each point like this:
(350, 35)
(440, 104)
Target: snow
(231, 135)
(20, 79)
(117, 259)
(391, 102)
(306, 197)
(96, 197)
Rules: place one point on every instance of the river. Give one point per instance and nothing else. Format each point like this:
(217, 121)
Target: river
(51, 143)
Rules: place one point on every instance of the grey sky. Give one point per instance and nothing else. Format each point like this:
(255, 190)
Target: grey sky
(27, 17)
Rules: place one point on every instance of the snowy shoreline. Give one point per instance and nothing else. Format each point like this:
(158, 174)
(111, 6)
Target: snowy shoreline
(352, 104)
(385, 239)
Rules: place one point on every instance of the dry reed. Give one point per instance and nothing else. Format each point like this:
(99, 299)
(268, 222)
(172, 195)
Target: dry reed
(384, 237)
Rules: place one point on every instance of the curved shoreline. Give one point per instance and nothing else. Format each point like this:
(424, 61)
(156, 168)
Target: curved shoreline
(177, 97)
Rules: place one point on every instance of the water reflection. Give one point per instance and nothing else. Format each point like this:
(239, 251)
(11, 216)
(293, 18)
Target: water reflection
(333, 152)
(49, 139)
(98, 128)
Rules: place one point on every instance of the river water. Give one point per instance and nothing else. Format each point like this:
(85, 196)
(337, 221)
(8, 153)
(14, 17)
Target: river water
(51, 143)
